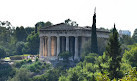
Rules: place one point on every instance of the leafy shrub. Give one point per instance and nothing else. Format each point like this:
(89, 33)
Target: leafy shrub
(35, 67)
(6, 71)
(50, 75)
(131, 76)
(39, 78)
(37, 59)
(47, 66)
(63, 78)
(29, 61)
(131, 57)
(65, 55)
(24, 60)
(2, 53)
(91, 57)
(102, 77)
(125, 67)
(43, 66)
(18, 64)
(17, 57)
(32, 68)
(22, 74)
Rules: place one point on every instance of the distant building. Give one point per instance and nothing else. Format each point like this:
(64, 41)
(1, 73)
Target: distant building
(124, 32)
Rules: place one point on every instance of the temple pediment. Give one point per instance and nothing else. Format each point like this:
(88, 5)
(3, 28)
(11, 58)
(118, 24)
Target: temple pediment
(61, 26)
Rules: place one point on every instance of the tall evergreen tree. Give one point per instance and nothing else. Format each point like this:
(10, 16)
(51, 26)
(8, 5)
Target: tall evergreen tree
(113, 50)
(94, 46)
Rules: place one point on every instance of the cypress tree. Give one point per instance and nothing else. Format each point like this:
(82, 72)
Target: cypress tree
(94, 46)
(113, 50)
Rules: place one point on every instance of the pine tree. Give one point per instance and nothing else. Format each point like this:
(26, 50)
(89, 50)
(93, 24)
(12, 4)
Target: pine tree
(94, 46)
(113, 50)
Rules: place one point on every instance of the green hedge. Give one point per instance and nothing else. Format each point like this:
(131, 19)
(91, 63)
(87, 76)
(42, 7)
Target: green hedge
(17, 57)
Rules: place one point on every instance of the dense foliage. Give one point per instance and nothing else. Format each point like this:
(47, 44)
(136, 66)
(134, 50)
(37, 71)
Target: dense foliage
(19, 40)
(135, 35)
(6, 70)
(131, 57)
(106, 66)
(2, 53)
(65, 55)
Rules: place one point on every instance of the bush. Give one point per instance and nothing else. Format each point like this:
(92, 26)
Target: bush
(131, 57)
(29, 61)
(43, 66)
(65, 55)
(18, 64)
(21, 75)
(35, 67)
(32, 68)
(2, 53)
(19, 47)
(102, 77)
(17, 57)
(6, 71)
(37, 59)
(24, 60)
(39, 78)
(47, 66)
(131, 76)
(91, 57)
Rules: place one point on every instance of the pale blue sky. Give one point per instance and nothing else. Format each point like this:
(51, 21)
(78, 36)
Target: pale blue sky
(28, 12)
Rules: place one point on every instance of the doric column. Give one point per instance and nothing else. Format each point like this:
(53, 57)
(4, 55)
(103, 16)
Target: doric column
(76, 48)
(46, 46)
(41, 46)
(55, 46)
(58, 45)
(67, 43)
(49, 46)
(83, 41)
(52, 46)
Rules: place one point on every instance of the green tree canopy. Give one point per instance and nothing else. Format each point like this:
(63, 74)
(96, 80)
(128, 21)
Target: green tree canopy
(135, 35)
(127, 40)
(20, 34)
(131, 57)
(41, 24)
(2, 53)
(32, 45)
(22, 74)
(70, 22)
(19, 48)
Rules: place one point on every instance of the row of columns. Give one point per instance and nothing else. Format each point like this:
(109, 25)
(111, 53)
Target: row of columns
(48, 51)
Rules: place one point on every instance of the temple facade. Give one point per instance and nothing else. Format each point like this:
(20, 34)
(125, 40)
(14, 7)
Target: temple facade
(63, 37)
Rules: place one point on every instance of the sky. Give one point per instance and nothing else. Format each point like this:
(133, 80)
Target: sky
(28, 12)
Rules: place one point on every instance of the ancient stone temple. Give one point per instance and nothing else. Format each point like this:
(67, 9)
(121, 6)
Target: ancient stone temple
(63, 37)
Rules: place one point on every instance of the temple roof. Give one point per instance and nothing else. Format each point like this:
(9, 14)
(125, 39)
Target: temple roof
(64, 26)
